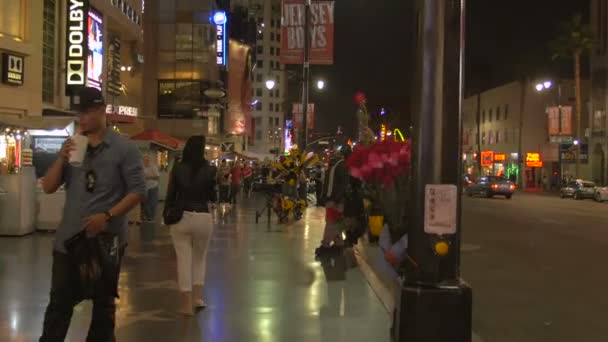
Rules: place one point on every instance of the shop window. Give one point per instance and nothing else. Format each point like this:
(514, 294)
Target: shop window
(12, 18)
(48, 51)
(179, 99)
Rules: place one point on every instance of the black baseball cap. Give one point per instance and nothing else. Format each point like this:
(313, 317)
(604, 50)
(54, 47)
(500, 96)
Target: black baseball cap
(88, 98)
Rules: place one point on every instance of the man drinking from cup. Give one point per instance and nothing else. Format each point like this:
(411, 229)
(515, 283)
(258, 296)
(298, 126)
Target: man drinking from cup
(103, 183)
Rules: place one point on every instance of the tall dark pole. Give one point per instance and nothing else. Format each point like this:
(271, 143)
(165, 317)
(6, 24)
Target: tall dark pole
(434, 303)
(306, 74)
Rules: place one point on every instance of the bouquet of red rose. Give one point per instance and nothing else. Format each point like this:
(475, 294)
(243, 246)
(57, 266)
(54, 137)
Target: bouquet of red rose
(384, 168)
(381, 162)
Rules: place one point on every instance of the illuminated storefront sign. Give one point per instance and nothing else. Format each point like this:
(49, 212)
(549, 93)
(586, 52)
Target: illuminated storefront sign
(95, 50)
(533, 160)
(77, 44)
(220, 19)
(487, 158)
(383, 132)
(123, 114)
(500, 157)
(12, 69)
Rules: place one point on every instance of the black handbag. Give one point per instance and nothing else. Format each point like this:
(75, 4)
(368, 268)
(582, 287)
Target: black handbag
(174, 208)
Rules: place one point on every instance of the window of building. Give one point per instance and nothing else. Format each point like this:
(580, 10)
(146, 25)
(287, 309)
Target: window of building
(483, 116)
(483, 138)
(272, 35)
(258, 134)
(48, 51)
(506, 135)
(258, 106)
(491, 138)
(271, 51)
(276, 121)
(270, 93)
(11, 18)
(178, 98)
(497, 113)
(278, 51)
(506, 115)
(260, 49)
(278, 37)
(270, 121)
(277, 93)
(260, 64)
(259, 92)
(258, 77)
(490, 115)
(498, 137)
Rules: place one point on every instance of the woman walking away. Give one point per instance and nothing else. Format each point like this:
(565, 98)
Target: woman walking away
(192, 187)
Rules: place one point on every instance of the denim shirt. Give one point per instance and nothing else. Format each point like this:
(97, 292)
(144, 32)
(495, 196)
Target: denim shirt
(119, 170)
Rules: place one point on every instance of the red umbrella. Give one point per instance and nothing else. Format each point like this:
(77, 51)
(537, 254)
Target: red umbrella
(159, 138)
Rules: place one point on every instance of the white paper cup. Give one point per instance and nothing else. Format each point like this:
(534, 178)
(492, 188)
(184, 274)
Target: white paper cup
(80, 150)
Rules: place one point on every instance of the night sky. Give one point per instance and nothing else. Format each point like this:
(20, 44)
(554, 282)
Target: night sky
(504, 39)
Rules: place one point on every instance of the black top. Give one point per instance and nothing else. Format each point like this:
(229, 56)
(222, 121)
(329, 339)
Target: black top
(194, 192)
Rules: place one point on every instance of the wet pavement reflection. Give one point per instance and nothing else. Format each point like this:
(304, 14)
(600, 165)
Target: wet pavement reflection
(263, 284)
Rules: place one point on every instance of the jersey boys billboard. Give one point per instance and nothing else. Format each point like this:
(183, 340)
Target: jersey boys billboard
(321, 28)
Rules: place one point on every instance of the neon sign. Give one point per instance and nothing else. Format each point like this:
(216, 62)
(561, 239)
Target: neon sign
(383, 132)
(487, 158)
(500, 157)
(533, 160)
(398, 135)
(220, 20)
(77, 44)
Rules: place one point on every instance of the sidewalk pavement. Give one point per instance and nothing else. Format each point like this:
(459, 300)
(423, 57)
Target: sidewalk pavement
(263, 284)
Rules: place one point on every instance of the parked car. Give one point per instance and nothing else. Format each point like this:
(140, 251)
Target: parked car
(578, 190)
(491, 186)
(601, 194)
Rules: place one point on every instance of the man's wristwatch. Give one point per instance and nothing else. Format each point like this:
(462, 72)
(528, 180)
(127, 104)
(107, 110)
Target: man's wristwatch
(108, 216)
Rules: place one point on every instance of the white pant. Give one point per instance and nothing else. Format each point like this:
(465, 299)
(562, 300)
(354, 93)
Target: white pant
(191, 237)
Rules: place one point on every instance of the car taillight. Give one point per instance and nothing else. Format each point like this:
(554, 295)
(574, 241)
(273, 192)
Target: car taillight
(512, 187)
(494, 186)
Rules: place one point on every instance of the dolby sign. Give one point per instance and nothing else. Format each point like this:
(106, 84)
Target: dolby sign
(77, 45)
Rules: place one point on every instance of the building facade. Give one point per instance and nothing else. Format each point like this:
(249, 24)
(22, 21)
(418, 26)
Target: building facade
(506, 133)
(52, 47)
(599, 93)
(268, 118)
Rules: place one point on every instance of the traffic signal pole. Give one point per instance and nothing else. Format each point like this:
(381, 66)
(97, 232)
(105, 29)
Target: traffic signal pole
(434, 304)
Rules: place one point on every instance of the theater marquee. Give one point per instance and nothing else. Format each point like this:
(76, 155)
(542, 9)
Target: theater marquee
(77, 45)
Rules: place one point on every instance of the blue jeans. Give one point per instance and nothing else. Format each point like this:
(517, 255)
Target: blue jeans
(149, 205)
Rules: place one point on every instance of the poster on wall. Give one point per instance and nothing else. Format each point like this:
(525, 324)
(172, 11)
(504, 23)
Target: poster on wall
(321, 32)
(95, 50)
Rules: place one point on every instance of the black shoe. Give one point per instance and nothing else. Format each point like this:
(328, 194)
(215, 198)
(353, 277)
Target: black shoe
(323, 251)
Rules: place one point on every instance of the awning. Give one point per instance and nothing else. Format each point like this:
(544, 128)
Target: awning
(159, 138)
(36, 122)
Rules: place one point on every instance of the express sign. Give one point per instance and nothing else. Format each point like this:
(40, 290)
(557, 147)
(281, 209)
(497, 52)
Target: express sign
(77, 45)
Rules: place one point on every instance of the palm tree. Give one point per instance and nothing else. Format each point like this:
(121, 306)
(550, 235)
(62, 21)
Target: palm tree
(575, 40)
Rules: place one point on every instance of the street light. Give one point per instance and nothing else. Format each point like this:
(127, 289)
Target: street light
(270, 84)
(320, 84)
(576, 142)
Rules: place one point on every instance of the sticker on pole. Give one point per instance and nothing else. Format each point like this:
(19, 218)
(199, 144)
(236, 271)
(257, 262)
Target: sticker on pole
(440, 209)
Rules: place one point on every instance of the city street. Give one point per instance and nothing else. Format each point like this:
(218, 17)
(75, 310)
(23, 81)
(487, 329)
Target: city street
(537, 267)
